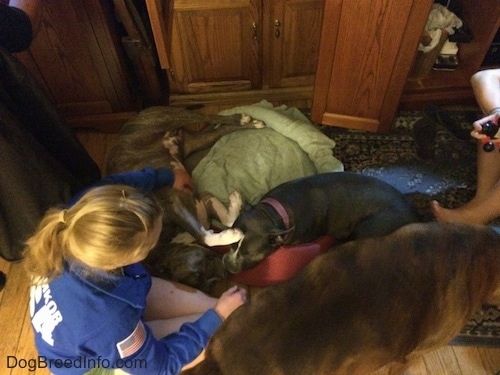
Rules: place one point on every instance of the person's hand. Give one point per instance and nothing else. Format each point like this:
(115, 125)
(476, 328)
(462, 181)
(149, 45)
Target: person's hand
(183, 180)
(477, 127)
(230, 300)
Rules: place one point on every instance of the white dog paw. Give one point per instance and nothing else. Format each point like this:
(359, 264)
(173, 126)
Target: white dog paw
(258, 124)
(233, 208)
(226, 237)
(171, 141)
(235, 201)
(245, 119)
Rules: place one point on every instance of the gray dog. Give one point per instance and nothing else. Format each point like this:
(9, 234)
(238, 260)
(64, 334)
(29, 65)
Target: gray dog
(345, 205)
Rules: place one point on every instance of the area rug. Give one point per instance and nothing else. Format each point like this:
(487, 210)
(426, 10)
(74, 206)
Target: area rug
(445, 171)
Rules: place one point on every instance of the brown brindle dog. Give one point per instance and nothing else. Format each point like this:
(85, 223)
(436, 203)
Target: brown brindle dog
(367, 304)
(160, 136)
(165, 137)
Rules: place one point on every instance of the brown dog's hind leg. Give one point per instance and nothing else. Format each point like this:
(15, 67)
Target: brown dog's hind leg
(193, 141)
(193, 226)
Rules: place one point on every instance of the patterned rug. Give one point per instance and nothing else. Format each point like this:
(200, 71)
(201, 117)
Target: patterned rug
(440, 165)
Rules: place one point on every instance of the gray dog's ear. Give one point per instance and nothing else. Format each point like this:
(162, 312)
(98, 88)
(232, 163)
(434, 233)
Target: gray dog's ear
(277, 238)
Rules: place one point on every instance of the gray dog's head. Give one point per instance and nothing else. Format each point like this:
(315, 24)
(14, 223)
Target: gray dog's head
(261, 239)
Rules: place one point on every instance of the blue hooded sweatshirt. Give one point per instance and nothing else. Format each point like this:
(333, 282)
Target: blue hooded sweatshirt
(85, 319)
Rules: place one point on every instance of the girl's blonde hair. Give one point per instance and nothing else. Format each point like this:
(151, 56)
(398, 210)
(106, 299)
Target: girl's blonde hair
(108, 225)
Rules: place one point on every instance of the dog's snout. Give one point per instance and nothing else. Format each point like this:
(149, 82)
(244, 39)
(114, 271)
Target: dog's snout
(230, 263)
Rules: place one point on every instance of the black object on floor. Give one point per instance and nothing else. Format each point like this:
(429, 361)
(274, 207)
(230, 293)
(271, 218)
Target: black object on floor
(3, 280)
(424, 134)
(447, 120)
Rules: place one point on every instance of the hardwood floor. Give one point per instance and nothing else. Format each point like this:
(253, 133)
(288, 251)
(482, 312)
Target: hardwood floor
(17, 352)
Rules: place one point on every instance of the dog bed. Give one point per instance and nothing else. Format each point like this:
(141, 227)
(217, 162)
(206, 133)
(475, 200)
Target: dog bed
(283, 264)
(255, 161)
(250, 161)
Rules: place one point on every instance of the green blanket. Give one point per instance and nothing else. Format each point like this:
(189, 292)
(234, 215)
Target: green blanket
(255, 161)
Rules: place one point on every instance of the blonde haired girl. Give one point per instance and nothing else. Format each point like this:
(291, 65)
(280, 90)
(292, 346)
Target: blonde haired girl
(92, 304)
(110, 226)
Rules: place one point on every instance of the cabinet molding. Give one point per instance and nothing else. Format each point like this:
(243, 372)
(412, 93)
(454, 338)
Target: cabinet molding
(277, 96)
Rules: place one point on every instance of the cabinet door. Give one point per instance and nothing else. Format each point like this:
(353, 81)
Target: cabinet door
(291, 33)
(76, 56)
(452, 87)
(366, 51)
(215, 46)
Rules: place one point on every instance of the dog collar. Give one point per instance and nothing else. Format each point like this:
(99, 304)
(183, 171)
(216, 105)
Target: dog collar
(279, 209)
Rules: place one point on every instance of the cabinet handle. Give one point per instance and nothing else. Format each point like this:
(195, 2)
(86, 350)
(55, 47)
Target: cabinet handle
(254, 29)
(172, 75)
(277, 25)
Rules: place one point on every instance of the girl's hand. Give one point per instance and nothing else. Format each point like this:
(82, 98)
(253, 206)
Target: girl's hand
(183, 180)
(230, 300)
(477, 127)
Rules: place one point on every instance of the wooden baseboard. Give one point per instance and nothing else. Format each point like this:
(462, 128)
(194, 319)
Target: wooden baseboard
(350, 122)
(419, 100)
(243, 97)
(104, 122)
(112, 122)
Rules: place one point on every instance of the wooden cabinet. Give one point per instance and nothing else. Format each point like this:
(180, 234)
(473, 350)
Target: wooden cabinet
(451, 87)
(211, 48)
(291, 34)
(366, 51)
(362, 70)
(76, 56)
(214, 46)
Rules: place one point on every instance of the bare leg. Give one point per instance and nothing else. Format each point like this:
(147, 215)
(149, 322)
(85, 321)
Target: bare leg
(485, 206)
(477, 212)
(194, 362)
(167, 300)
(164, 327)
(169, 305)
(488, 171)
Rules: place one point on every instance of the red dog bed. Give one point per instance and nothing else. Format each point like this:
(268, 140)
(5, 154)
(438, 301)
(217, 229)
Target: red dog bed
(283, 264)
